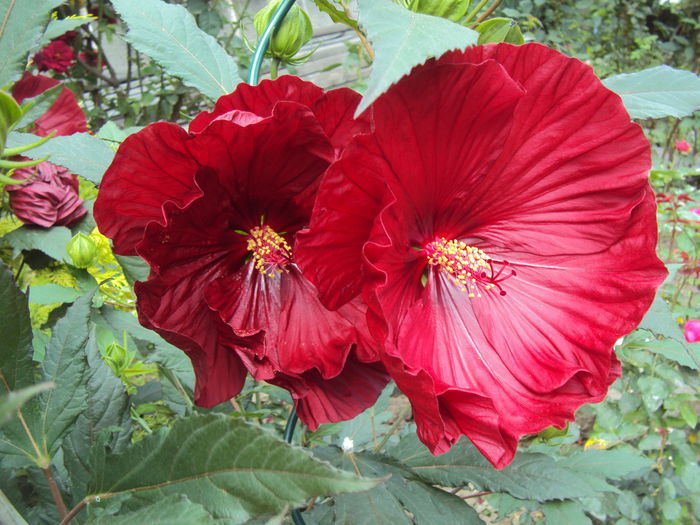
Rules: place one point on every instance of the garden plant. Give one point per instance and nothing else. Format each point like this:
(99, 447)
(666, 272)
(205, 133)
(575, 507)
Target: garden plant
(461, 289)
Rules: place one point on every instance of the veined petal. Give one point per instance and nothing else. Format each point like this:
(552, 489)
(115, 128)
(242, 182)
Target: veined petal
(151, 168)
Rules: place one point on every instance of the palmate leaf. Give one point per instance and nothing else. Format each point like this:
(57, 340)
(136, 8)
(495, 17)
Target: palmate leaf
(403, 39)
(8, 514)
(9, 403)
(173, 510)
(51, 241)
(15, 335)
(387, 504)
(22, 23)
(529, 476)
(80, 153)
(50, 416)
(169, 35)
(234, 470)
(657, 92)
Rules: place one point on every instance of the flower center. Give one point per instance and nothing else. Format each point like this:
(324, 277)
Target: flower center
(270, 251)
(470, 268)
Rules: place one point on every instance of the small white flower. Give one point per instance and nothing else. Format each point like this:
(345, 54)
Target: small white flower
(348, 445)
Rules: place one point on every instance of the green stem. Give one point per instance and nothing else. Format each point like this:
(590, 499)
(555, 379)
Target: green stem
(474, 12)
(400, 418)
(274, 68)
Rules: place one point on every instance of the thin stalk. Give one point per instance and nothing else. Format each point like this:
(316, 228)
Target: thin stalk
(57, 498)
(488, 12)
(400, 418)
(363, 39)
(474, 12)
(274, 68)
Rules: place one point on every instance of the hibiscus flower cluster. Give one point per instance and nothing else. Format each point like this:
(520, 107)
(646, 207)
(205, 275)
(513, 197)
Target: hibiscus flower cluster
(482, 235)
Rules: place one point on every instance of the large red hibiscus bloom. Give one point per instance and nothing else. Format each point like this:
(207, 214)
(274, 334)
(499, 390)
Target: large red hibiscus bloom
(215, 213)
(500, 225)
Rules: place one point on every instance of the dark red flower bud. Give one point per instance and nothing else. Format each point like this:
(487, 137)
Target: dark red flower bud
(57, 56)
(48, 198)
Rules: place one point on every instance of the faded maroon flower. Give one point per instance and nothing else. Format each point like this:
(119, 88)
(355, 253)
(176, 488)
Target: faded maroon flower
(56, 56)
(49, 198)
(215, 213)
(682, 146)
(50, 195)
(692, 331)
(500, 224)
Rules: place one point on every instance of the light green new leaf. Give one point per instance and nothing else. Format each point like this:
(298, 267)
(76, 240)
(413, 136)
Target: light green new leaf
(657, 92)
(22, 23)
(336, 15)
(80, 153)
(234, 470)
(169, 35)
(387, 504)
(403, 39)
(660, 321)
(529, 476)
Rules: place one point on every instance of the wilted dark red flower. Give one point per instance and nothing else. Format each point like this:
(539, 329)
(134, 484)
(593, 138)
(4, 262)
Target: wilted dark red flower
(215, 213)
(49, 198)
(50, 195)
(57, 56)
(500, 225)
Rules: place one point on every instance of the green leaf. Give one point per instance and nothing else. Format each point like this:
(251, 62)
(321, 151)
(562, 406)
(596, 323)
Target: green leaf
(57, 28)
(337, 15)
(690, 475)
(173, 510)
(51, 241)
(565, 513)
(660, 321)
(135, 268)
(107, 411)
(403, 39)
(35, 107)
(689, 415)
(8, 514)
(114, 134)
(233, 469)
(21, 26)
(529, 476)
(52, 293)
(170, 36)
(654, 391)
(657, 92)
(608, 464)
(80, 153)
(387, 504)
(16, 335)
(498, 30)
(9, 403)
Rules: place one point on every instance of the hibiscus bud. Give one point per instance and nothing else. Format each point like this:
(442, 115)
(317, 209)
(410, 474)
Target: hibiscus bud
(450, 9)
(118, 358)
(294, 31)
(48, 197)
(10, 114)
(82, 250)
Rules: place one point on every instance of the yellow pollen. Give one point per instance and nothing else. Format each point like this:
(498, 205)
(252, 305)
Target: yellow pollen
(270, 251)
(468, 266)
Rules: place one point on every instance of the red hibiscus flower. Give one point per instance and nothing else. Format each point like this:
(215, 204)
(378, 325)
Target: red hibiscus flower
(215, 213)
(50, 195)
(682, 146)
(500, 225)
(56, 56)
(692, 331)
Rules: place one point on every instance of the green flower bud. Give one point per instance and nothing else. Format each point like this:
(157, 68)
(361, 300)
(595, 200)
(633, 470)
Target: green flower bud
(82, 250)
(118, 358)
(10, 114)
(450, 9)
(294, 31)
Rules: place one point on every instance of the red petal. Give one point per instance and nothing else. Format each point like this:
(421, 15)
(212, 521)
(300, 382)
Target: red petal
(64, 116)
(260, 99)
(151, 167)
(335, 111)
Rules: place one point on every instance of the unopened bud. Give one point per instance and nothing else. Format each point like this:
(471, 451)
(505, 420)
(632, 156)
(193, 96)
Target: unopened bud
(82, 250)
(294, 31)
